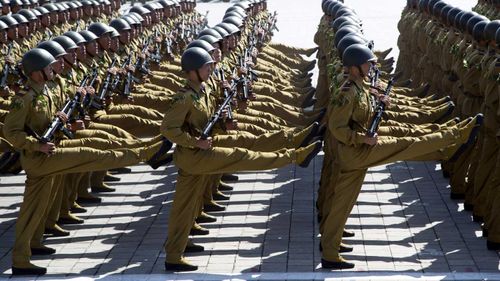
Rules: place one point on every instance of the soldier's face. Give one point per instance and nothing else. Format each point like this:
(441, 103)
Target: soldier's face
(58, 66)
(70, 57)
(92, 48)
(48, 73)
(73, 14)
(216, 54)
(45, 20)
(54, 17)
(104, 42)
(81, 52)
(205, 71)
(12, 32)
(124, 37)
(22, 30)
(115, 43)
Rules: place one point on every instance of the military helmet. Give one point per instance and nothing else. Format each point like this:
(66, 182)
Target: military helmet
(229, 27)
(438, 7)
(76, 37)
(54, 48)
(350, 24)
(140, 10)
(36, 59)
(210, 39)
(443, 15)
(430, 5)
(88, 35)
(334, 7)
(42, 10)
(201, 44)
(194, 58)
(9, 20)
(243, 4)
(473, 21)
(114, 32)
(136, 16)
(422, 5)
(28, 14)
(5, 2)
(99, 29)
(16, 3)
(36, 12)
(343, 32)
(66, 42)
(131, 20)
(324, 5)
(339, 21)
(344, 11)
(51, 7)
(211, 32)
(20, 18)
(478, 30)
(357, 54)
(119, 24)
(3, 25)
(347, 41)
(456, 20)
(464, 19)
(233, 14)
(222, 32)
(234, 20)
(450, 16)
(237, 10)
(491, 29)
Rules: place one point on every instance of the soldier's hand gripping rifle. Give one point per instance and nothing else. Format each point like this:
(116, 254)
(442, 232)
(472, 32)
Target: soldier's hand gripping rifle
(103, 91)
(118, 77)
(57, 123)
(274, 19)
(167, 45)
(7, 68)
(219, 113)
(222, 78)
(88, 99)
(156, 56)
(205, 21)
(142, 64)
(379, 111)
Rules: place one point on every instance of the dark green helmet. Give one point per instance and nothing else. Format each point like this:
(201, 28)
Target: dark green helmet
(140, 10)
(20, 18)
(51, 7)
(76, 37)
(194, 58)
(99, 29)
(36, 12)
(28, 14)
(233, 14)
(131, 20)
(66, 42)
(119, 24)
(430, 5)
(345, 12)
(16, 3)
(201, 44)
(343, 32)
(9, 20)
(478, 31)
(356, 55)
(42, 10)
(473, 21)
(234, 20)
(88, 35)
(222, 32)
(497, 38)
(210, 31)
(237, 10)
(54, 48)
(349, 40)
(464, 19)
(456, 21)
(438, 8)
(491, 29)
(334, 7)
(229, 27)
(422, 5)
(324, 5)
(210, 39)
(3, 25)
(450, 16)
(36, 59)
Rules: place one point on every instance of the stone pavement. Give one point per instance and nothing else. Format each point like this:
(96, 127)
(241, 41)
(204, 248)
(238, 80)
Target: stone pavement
(406, 226)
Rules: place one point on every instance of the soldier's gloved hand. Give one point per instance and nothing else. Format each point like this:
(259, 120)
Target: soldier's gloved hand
(81, 91)
(47, 148)
(131, 68)
(242, 70)
(243, 105)
(204, 144)
(231, 124)
(158, 39)
(62, 116)
(224, 84)
(371, 140)
(10, 60)
(112, 70)
(252, 97)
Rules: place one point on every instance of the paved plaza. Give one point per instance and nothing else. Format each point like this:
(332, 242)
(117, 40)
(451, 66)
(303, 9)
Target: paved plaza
(406, 226)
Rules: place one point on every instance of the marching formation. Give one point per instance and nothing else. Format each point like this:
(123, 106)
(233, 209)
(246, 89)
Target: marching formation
(456, 54)
(86, 91)
(372, 119)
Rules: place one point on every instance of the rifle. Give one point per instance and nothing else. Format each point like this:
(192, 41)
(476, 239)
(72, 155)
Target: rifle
(205, 21)
(222, 78)
(141, 65)
(156, 56)
(57, 124)
(6, 69)
(128, 83)
(118, 77)
(274, 19)
(168, 44)
(377, 117)
(104, 87)
(244, 81)
(88, 100)
(217, 115)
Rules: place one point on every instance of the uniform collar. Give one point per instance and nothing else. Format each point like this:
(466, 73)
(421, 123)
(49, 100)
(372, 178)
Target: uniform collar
(36, 87)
